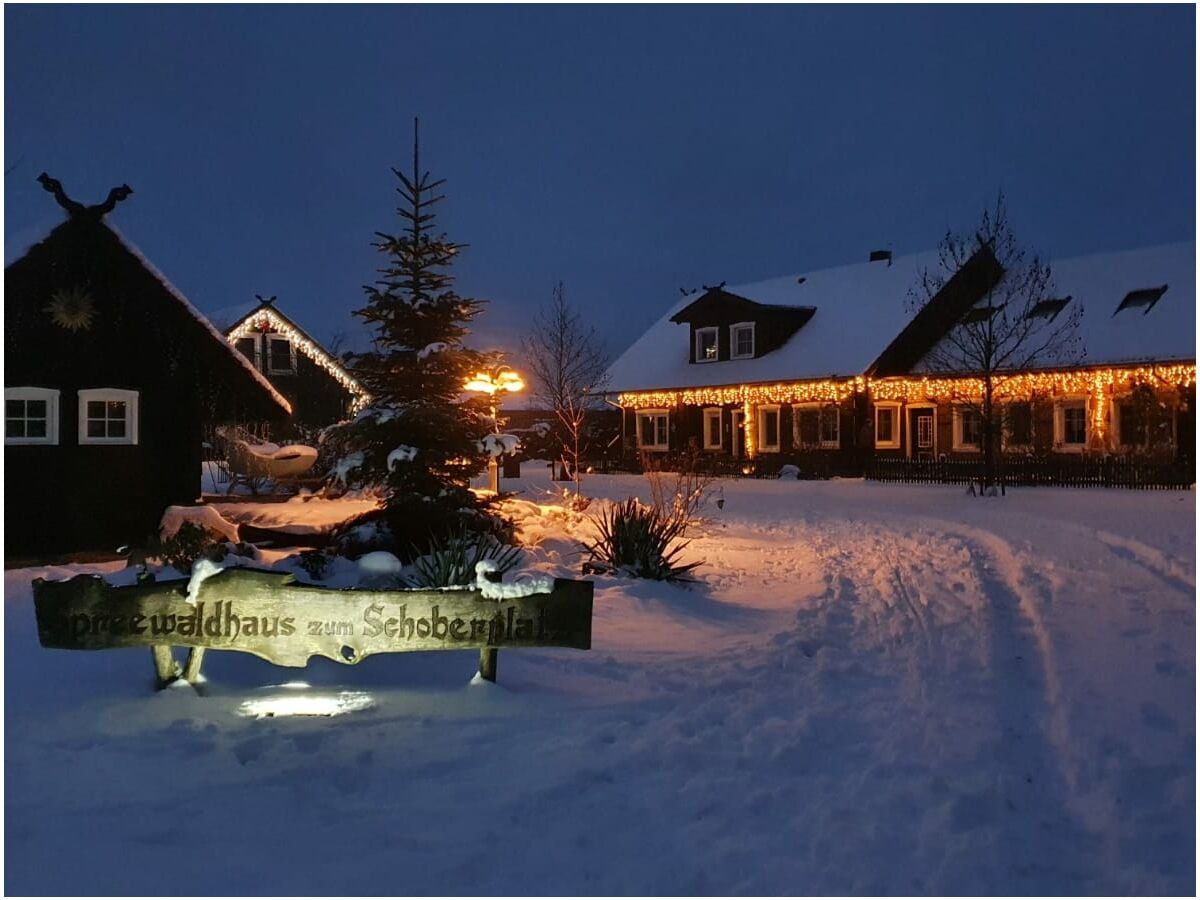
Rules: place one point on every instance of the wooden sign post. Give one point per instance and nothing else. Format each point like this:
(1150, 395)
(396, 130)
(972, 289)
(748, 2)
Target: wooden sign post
(273, 616)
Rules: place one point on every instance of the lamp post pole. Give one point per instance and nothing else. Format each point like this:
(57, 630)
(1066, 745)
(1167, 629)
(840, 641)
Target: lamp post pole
(493, 384)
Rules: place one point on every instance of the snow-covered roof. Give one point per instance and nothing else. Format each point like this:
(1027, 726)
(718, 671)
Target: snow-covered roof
(860, 308)
(1100, 282)
(199, 317)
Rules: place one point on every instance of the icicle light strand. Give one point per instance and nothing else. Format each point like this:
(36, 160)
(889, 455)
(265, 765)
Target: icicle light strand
(309, 348)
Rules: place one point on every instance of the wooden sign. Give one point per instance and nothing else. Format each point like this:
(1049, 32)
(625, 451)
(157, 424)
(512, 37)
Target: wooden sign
(272, 616)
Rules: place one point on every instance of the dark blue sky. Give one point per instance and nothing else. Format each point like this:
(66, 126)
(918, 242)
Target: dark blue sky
(628, 151)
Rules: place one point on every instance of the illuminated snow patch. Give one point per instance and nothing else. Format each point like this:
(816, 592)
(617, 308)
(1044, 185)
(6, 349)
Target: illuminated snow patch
(297, 704)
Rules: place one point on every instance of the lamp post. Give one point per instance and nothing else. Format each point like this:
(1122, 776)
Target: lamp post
(495, 384)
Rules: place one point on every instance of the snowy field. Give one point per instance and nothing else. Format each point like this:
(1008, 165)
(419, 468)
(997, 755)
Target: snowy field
(875, 689)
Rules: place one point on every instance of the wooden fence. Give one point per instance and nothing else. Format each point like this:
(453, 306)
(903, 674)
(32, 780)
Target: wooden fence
(1089, 472)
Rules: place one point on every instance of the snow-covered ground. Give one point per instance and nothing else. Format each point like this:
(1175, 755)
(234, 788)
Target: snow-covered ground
(875, 689)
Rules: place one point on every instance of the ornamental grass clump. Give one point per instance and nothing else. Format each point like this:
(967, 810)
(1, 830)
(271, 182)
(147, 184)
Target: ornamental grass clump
(639, 542)
(451, 560)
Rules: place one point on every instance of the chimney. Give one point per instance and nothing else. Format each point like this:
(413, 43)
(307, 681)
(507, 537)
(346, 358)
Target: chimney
(881, 256)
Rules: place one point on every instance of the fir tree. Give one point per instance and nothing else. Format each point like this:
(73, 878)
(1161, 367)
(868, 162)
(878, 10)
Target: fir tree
(420, 437)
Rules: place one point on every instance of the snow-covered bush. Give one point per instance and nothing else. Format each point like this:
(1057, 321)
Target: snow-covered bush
(315, 563)
(639, 541)
(189, 543)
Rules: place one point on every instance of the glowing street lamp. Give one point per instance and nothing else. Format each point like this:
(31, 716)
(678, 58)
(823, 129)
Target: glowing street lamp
(495, 384)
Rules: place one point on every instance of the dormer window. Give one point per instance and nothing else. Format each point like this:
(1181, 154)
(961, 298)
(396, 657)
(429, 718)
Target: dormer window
(1145, 299)
(741, 340)
(706, 345)
(1048, 309)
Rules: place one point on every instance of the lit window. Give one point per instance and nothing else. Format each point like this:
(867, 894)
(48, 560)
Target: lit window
(768, 429)
(30, 415)
(652, 429)
(966, 429)
(108, 416)
(281, 356)
(706, 344)
(887, 426)
(741, 339)
(712, 429)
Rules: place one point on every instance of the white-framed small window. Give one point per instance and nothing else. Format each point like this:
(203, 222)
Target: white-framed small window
(741, 340)
(1071, 424)
(281, 355)
(816, 425)
(712, 429)
(1018, 425)
(30, 415)
(108, 416)
(707, 344)
(887, 426)
(652, 429)
(967, 430)
(768, 429)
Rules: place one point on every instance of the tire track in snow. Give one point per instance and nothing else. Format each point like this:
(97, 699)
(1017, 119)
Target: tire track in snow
(1035, 741)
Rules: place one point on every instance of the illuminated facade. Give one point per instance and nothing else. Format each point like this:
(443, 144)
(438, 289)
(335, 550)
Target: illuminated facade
(1133, 396)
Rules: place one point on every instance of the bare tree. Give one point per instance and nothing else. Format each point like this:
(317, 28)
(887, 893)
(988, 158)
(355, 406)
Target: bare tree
(1019, 323)
(568, 363)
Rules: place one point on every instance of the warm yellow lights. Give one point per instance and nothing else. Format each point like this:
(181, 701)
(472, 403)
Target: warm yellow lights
(1092, 382)
(503, 379)
(908, 389)
(1100, 384)
(828, 391)
(267, 320)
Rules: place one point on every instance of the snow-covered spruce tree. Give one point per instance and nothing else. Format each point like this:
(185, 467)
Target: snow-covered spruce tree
(419, 439)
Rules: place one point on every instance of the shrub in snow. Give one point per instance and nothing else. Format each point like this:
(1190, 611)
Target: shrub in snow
(455, 558)
(189, 543)
(315, 563)
(640, 542)
(789, 473)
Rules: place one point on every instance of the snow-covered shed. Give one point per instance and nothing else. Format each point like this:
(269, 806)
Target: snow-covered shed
(111, 378)
(314, 381)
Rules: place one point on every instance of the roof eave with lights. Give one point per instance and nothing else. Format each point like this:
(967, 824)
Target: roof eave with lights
(251, 324)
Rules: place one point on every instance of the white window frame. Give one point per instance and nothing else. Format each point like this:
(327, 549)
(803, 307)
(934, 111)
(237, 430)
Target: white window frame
(759, 415)
(894, 410)
(666, 415)
(272, 369)
(821, 409)
(105, 395)
(1005, 442)
(50, 396)
(733, 330)
(711, 413)
(1060, 423)
(716, 334)
(256, 339)
(957, 444)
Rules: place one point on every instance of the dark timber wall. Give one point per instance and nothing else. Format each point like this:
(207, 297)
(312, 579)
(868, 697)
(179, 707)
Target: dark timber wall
(70, 496)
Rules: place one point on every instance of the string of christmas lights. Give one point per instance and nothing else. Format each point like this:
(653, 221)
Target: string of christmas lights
(1100, 384)
(266, 320)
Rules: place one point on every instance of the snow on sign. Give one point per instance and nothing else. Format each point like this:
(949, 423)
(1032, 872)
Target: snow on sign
(272, 616)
